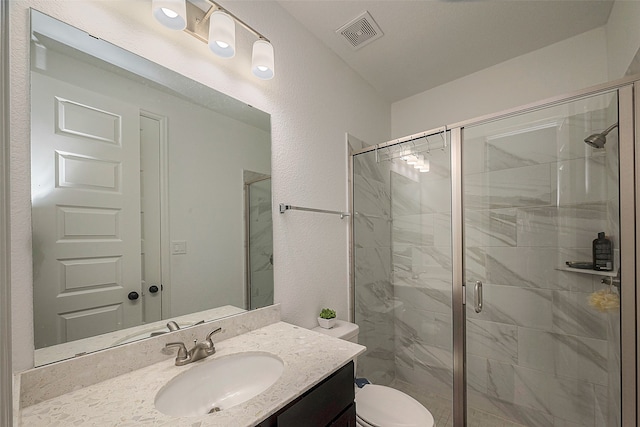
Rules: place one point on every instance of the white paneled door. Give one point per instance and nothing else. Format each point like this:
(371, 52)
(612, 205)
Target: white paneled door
(86, 220)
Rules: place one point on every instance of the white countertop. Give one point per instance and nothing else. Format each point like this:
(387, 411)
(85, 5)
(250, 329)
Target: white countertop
(308, 358)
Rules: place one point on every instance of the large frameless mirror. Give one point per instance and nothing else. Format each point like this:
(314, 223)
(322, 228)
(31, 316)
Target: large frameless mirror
(151, 197)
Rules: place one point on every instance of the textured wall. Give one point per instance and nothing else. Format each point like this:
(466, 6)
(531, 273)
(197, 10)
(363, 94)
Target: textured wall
(565, 66)
(623, 37)
(313, 100)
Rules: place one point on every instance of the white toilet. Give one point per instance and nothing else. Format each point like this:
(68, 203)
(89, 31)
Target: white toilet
(377, 405)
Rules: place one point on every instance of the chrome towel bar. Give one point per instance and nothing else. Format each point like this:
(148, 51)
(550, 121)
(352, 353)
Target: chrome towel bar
(284, 208)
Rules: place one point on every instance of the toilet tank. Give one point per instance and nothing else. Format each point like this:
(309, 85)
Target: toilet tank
(344, 330)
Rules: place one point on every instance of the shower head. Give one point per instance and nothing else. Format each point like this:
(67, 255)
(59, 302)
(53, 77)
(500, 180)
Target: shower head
(597, 140)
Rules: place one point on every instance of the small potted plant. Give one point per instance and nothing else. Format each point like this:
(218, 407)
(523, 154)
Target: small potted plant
(327, 318)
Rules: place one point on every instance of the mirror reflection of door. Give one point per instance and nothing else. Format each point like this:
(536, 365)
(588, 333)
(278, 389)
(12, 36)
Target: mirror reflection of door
(85, 221)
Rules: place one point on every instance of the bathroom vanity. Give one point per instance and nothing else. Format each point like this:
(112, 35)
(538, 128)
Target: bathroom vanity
(330, 403)
(315, 387)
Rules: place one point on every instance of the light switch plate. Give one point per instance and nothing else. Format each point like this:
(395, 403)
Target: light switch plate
(178, 247)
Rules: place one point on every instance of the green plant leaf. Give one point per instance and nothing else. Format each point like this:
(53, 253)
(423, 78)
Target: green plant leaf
(327, 313)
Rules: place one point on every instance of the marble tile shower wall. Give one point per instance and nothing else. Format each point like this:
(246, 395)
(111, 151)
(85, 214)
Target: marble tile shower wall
(261, 247)
(422, 274)
(538, 353)
(374, 299)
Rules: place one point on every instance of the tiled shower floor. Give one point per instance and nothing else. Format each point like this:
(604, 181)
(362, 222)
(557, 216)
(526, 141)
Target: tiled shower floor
(440, 408)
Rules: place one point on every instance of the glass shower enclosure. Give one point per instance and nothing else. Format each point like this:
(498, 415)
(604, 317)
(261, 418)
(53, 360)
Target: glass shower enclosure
(258, 241)
(474, 284)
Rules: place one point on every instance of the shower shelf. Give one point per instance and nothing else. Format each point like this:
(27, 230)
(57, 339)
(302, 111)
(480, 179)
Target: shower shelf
(586, 271)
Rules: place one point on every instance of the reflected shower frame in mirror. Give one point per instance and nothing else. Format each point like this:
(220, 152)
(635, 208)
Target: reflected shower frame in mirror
(88, 94)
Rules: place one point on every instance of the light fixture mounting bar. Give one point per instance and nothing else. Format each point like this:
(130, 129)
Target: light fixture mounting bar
(198, 26)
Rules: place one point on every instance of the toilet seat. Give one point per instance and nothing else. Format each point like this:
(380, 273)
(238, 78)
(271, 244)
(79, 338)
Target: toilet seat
(362, 423)
(380, 406)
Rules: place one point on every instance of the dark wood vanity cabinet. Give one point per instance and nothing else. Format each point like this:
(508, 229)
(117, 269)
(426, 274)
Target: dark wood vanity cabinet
(330, 403)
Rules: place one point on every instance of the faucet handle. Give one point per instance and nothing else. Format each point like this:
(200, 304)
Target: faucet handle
(209, 341)
(215, 331)
(182, 350)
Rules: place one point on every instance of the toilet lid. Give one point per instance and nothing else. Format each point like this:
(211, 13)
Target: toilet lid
(388, 407)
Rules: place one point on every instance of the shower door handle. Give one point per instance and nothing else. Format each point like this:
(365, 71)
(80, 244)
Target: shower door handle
(477, 296)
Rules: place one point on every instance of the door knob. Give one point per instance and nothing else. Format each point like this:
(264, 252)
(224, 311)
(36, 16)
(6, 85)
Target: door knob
(133, 295)
(153, 289)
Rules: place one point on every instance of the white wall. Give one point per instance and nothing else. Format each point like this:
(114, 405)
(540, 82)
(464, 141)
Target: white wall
(313, 99)
(623, 36)
(205, 189)
(569, 65)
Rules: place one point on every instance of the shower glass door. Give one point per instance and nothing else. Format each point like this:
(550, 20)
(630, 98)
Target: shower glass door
(259, 243)
(402, 269)
(542, 338)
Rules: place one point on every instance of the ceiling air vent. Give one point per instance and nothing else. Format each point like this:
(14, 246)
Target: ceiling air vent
(360, 31)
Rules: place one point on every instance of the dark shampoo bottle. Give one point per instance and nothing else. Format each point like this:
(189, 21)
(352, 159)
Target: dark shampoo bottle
(602, 253)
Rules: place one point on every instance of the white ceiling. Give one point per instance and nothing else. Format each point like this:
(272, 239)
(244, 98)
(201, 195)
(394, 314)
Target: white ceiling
(427, 43)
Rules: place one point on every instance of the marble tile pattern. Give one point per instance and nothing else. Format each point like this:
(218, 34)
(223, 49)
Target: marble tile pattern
(49, 381)
(541, 355)
(535, 197)
(128, 400)
(261, 244)
(374, 300)
(422, 279)
(440, 408)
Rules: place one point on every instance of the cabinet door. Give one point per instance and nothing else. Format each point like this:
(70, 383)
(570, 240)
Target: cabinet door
(347, 418)
(322, 405)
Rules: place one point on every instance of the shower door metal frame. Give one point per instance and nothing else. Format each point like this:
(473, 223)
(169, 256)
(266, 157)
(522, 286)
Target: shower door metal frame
(628, 89)
(459, 291)
(629, 268)
(6, 403)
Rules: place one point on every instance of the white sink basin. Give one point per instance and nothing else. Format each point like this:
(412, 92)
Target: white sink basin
(218, 384)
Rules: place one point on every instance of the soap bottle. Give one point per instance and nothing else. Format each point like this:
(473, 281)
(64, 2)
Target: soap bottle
(602, 253)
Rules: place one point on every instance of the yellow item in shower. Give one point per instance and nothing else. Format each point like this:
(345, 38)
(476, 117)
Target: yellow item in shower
(604, 300)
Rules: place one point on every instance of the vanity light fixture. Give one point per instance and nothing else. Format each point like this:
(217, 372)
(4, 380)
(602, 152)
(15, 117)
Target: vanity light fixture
(222, 34)
(413, 150)
(418, 161)
(217, 28)
(262, 59)
(423, 165)
(170, 13)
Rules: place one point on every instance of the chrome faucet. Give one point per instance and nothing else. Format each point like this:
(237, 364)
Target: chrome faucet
(172, 326)
(200, 350)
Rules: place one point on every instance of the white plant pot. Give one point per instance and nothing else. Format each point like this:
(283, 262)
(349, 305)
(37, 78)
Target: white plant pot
(326, 323)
